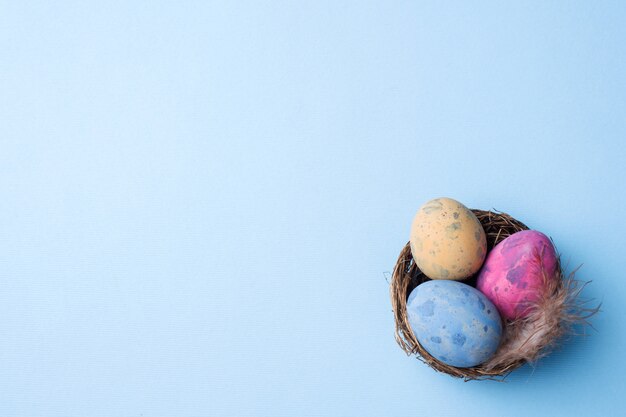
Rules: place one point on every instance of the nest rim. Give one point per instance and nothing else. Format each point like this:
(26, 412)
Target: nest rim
(406, 276)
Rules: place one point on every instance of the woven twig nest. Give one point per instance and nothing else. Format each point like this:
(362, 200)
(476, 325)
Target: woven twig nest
(523, 340)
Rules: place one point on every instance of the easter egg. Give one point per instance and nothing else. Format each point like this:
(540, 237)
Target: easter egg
(517, 271)
(447, 240)
(454, 322)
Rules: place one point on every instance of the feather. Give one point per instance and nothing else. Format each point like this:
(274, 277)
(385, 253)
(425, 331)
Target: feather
(551, 317)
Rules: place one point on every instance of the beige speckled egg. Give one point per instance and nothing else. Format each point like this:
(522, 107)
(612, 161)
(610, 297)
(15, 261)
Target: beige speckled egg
(447, 240)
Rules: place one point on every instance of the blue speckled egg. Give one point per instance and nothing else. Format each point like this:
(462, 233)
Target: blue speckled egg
(455, 323)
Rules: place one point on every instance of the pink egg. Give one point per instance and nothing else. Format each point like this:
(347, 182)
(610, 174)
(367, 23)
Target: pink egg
(516, 272)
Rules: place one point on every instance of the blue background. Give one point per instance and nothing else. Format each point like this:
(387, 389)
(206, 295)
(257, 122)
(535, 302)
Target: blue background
(200, 201)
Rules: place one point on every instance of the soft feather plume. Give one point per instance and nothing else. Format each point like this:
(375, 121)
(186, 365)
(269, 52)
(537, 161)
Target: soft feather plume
(551, 317)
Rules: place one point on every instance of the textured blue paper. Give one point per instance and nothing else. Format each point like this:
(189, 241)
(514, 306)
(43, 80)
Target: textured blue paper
(200, 201)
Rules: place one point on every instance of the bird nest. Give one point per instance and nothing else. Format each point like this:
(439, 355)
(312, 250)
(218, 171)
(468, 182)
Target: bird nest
(525, 340)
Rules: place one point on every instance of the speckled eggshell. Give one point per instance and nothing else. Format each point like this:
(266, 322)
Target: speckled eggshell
(454, 322)
(447, 240)
(516, 272)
